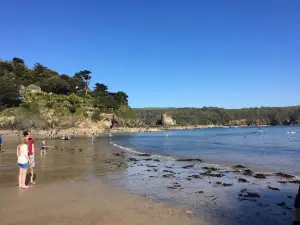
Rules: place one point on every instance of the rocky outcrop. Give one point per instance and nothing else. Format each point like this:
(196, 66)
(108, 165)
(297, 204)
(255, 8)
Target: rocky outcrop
(119, 122)
(167, 120)
(49, 120)
(32, 87)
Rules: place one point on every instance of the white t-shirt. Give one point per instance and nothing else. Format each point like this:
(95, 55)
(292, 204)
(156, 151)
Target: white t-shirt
(23, 151)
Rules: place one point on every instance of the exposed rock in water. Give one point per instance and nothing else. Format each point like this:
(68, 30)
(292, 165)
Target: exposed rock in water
(223, 184)
(248, 172)
(175, 186)
(118, 154)
(294, 182)
(171, 187)
(188, 166)
(196, 176)
(189, 160)
(284, 175)
(210, 168)
(239, 167)
(199, 192)
(249, 195)
(167, 175)
(150, 165)
(290, 182)
(168, 171)
(156, 160)
(147, 159)
(282, 182)
(274, 189)
(242, 180)
(260, 176)
(132, 159)
(208, 173)
(247, 199)
(283, 205)
(144, 154)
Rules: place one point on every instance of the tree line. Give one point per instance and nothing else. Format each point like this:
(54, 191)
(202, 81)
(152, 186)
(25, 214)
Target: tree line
(220, 116)
(14, 74)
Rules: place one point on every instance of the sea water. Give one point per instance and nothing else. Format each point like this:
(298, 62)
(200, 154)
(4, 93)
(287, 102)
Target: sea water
(265, 149)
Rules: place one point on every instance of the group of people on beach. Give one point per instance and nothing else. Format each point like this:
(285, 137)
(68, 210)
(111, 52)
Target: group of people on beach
(26, 160)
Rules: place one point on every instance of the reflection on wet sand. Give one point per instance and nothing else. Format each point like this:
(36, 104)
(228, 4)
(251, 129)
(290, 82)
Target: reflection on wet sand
(62, 160)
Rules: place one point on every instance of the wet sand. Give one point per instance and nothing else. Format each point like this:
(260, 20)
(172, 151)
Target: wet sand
(84, 202)
(70, 189)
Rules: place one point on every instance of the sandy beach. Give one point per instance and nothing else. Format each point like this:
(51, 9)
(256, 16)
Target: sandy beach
(70, 189)
(84, 202)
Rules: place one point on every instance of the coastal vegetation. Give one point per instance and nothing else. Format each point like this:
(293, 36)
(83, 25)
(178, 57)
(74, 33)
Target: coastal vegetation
(39, 92)
(220, 116)
(35, 92)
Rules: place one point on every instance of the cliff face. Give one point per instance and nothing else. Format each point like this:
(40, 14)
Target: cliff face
(167, 120)
(49, 119)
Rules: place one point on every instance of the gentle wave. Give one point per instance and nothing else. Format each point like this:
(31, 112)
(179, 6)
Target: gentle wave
(174, 159)
(137, 152)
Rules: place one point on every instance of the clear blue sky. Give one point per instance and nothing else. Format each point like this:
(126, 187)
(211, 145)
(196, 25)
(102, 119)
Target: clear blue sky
(226, 53)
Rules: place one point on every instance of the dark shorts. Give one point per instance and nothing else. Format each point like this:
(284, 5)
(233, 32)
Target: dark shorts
(23, 166)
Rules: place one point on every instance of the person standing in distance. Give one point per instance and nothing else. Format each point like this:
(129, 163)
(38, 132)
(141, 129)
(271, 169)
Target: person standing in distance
(31, 156)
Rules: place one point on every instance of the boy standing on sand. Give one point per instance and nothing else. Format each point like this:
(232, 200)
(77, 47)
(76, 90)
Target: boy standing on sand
(31, 156)
(43, 147)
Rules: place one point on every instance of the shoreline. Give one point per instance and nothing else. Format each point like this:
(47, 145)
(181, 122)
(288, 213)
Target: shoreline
(200, 161)
(87, 132)
(200, 191)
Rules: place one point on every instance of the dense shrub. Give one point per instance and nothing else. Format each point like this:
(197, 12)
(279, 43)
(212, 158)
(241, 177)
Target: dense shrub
(50, 105)
(72, 109)
(96, 116)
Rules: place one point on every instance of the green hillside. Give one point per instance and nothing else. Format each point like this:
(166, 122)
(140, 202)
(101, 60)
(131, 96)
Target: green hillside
(220, 116)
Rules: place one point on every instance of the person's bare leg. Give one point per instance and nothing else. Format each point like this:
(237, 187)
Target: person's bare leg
(20, 177)
(31, 177)
(24, 186)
